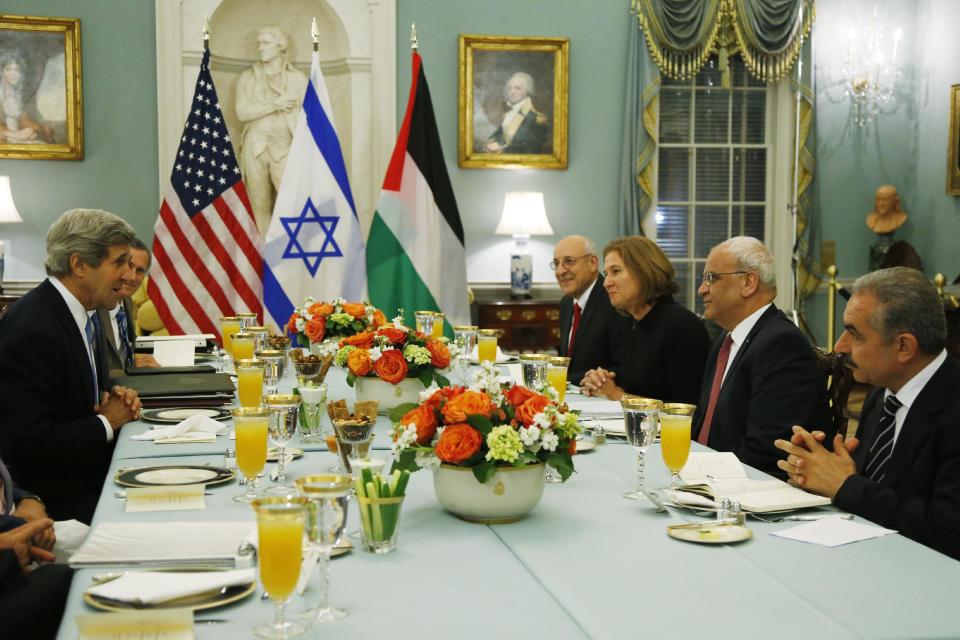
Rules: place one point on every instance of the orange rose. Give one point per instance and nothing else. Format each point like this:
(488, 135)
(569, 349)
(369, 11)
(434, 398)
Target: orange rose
(439, 354)
(379, 319)
(530, 408)
(458, 443)
(292, 325)
(315, 328)
(358, 362)
(363, 340)
(356, 309)
(468, 403)
(572, 449)
(396, 336)
(320, 309)
(391, 367)
(517, 395)
(442, 395)
(426, 421)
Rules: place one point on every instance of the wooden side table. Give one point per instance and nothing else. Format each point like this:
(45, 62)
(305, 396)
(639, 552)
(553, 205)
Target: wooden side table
(527, 325)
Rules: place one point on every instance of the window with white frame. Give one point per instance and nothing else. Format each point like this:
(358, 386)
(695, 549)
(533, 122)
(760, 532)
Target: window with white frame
(713, 173)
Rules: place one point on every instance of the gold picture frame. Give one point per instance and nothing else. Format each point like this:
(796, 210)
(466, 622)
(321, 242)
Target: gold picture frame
(41, 98)
(953, 144)
(532, 75)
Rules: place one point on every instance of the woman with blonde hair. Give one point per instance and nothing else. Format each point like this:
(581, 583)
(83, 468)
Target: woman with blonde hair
(665, 347)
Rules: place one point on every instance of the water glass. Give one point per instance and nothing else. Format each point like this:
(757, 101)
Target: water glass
(247, 319)
(327, 515)
(274, 364)
(283, 426)
(312, 402)
(425, 321)
(465, 336)
(640, 419)
(251, 426)
(534, 368)
(379, 518)
(353, 440)
(259, 337)
(280, 525)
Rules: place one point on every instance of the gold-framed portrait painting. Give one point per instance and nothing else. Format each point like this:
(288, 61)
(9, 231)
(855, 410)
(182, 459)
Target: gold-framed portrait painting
(513, 102)
(953, 143)
(41, 102)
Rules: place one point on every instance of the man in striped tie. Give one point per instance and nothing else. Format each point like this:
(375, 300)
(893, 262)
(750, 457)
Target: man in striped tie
(902, 471)
(116, 334)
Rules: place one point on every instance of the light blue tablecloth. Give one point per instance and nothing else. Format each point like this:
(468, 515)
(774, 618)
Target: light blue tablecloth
(588, 563)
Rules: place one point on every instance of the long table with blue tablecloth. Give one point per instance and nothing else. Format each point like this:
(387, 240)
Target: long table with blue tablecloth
(585, 563)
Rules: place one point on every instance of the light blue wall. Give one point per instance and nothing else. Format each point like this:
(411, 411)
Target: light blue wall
(119, 169)
(581, 199)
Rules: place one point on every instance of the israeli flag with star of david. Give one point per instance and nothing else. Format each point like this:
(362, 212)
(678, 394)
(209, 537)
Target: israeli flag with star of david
(314, 246)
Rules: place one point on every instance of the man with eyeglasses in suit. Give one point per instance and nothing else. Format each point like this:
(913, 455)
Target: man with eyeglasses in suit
(761, 376)
(591, 330)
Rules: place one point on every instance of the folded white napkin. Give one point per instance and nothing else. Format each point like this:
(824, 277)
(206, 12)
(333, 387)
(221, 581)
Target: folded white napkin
(192, 425)
(153, 587)
(501, 356)
(70, 535)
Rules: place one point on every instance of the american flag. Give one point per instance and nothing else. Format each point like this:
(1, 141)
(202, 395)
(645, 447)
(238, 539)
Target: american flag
(206, 247)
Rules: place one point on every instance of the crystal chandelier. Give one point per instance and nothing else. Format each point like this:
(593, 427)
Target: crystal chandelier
(871, 72)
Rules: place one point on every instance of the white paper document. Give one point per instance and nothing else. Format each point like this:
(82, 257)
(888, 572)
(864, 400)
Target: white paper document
(174, 353)
(596, 408)
(187, 497)
(833, 532)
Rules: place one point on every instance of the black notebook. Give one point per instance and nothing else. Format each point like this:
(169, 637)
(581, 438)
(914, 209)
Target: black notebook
(178, 384)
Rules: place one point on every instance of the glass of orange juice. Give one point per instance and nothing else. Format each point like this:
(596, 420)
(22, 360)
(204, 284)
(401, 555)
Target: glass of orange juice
(249, 381)
(250, 425)
(280, 527)
(487, 345)
(437, 324)
(675, 421)
(229, 325)
(557, 375)
(242, 345)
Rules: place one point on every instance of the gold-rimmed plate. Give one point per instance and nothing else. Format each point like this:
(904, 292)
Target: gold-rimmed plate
(710, 533)
(583, 446)
(176, 415)
(197, 602)
(173, 475)
(343, 547)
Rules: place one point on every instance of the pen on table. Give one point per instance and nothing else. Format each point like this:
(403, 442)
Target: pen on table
(843, 516)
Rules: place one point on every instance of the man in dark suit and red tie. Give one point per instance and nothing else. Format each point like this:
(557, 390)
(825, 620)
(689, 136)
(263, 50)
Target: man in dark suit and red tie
(590, 328)
(902, 471)
(761, 376)
(58, 420)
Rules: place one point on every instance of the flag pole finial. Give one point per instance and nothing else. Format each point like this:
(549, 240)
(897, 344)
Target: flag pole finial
(206, 31)
(315, 34)
(414, 45)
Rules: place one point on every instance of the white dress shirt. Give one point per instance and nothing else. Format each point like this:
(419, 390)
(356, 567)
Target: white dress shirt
(740, 333)
(81, 316)
(908, 393)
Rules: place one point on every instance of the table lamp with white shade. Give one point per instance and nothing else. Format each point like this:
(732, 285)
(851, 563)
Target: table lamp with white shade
(8, 213)
(523, 216)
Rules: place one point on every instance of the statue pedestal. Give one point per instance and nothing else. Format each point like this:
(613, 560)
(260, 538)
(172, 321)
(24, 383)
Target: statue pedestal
(878, 250)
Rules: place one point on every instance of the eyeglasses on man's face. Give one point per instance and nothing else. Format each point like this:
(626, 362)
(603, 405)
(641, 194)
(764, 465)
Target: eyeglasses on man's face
(568, 261)
(709, 277)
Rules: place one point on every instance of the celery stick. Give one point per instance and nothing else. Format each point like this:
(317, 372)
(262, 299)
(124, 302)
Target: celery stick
(402, 483)
(394, 479)
(375, 516)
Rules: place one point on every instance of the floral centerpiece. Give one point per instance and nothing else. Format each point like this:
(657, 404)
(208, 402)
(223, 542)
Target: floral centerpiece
(317, 321)
(394, 353)
(485, 426)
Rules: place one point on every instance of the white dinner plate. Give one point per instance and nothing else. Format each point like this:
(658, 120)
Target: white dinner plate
(175, 415)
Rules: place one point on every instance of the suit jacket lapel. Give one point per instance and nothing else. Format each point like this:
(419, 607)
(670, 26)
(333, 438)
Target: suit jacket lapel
(69, 326)
(566, 317)
(919, 421)
(764, 318)
(587, 313)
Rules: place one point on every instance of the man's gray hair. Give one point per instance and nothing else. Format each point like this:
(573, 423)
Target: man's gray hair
(589, 248)
(752, 255)
(527, 81)
(909, 303)
(87, 232)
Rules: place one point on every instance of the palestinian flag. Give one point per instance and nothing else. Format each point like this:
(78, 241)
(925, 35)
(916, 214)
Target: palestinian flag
(415, 253)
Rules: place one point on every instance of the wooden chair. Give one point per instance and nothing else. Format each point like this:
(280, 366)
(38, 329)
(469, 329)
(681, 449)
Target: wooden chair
(844, 394)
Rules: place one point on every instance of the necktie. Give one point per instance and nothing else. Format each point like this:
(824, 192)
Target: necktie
(882, 448)
(573, 328)
(124, 330)
(91, 350)
(722, 357)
